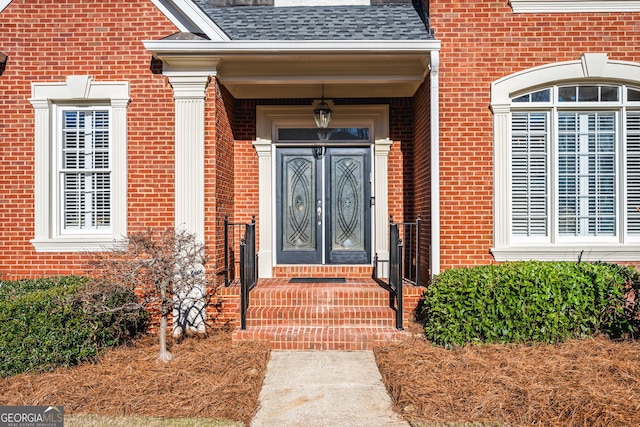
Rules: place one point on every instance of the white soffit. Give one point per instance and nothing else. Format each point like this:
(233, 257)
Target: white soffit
(258, 69)
(568, 6)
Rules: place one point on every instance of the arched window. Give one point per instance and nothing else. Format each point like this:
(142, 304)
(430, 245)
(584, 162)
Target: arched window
(567, 162)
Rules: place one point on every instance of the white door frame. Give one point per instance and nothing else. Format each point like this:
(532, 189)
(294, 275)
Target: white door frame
(269, 118)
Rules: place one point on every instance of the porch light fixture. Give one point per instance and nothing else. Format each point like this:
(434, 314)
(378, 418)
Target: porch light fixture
(322, 113)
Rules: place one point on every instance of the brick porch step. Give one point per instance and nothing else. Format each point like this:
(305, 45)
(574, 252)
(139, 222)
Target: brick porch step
(351, 338)
(355, 315)
(320, 316)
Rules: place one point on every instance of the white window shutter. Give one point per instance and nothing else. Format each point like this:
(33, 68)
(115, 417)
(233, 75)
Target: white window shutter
(529, 174)
(633, 173)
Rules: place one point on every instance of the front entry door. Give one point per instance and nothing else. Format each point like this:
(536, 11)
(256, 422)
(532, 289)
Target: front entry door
(323, 206)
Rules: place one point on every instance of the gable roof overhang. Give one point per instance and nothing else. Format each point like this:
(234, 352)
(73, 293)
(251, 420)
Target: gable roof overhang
(297, 69)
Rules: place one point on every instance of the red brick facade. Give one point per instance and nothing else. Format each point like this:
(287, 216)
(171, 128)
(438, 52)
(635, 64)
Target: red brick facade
(483, 41)
(48, 40)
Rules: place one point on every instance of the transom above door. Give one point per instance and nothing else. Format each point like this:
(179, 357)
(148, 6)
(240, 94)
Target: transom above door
(323, 205)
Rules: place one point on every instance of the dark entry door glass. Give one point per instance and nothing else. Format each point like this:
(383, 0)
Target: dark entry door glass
(349, 208)
(323, 212)
(299, 236)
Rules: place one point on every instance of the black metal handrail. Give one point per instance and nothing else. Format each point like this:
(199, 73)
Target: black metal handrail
(233, 234)
(404, 259)
(395, 269)
(248, 269)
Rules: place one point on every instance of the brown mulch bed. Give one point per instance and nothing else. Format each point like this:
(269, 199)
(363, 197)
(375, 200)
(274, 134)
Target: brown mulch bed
(583, 383)
(579, 383)
(208, 378)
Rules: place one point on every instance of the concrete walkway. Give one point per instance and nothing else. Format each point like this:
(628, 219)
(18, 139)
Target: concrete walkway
(324, 388)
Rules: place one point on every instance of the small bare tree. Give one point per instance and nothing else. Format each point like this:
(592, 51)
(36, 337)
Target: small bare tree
(166, 268)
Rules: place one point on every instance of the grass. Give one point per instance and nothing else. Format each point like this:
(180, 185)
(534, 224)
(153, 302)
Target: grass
(84, 420)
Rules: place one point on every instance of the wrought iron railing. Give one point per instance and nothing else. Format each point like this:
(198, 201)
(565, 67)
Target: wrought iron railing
(248, 269)
(233, 235)
(241, 237)
(404, 260)
(395, 269)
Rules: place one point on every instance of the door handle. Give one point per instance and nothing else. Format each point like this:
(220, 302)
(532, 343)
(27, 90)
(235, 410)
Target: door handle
(319, 212)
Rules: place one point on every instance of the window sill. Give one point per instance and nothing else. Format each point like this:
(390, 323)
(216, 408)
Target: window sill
(611, 253)
(86, 244)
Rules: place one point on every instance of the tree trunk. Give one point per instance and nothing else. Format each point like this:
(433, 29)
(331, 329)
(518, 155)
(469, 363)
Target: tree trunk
(164, 355)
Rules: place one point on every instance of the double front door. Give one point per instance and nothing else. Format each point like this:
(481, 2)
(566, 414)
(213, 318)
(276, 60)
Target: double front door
(323, 205)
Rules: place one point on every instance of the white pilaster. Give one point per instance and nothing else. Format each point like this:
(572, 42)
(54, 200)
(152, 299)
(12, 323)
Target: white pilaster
(119, 164)
(189, 95)
(267, 224)
(501, 175)
(434, 67)
(42, 188)
(381, 210)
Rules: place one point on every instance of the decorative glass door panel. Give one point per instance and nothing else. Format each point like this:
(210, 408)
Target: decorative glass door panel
(348, 198)
(323, 212)
(299, 234)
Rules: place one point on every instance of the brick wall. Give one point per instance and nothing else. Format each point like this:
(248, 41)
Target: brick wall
(422, 174)
(483, 41)
(48, 40)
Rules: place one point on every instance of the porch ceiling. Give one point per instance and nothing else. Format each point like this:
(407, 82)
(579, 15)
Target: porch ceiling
(298, 69)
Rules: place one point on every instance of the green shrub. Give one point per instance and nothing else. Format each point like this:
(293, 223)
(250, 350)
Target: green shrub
(61, 321)
(531, 302)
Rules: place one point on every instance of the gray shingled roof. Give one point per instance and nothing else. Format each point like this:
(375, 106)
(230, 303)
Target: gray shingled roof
(379, 22)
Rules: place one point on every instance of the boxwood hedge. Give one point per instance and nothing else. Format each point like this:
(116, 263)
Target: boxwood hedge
(531, 302)
(61, 321)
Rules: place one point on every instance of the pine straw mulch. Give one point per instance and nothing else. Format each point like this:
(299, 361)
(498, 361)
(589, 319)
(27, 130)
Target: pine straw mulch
(592, 383)
(208, 378)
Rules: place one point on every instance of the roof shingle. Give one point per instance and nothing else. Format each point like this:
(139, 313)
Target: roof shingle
(399, 21)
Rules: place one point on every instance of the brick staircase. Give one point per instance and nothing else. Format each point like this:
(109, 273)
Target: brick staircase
(355, 315)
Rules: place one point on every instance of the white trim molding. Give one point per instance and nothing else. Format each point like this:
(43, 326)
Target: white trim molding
(4, 4)
(269, 118)
(564, 6)
(434, 67)
(82, 91)
(188, 17)
(591, 67)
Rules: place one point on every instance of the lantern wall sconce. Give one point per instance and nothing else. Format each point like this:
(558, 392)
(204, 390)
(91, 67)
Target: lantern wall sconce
(322, 112)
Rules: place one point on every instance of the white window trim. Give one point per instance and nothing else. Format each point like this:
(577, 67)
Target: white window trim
(564, 6)
(591, 66)
(77, 90)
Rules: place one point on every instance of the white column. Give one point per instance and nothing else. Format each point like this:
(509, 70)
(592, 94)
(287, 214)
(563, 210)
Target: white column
(267, 225)
(381, 179)
(189, 95)
(434, 67)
